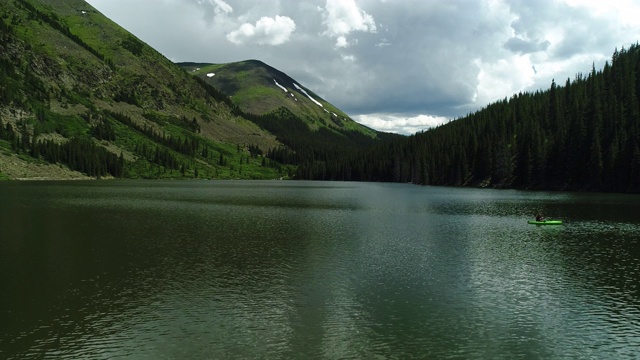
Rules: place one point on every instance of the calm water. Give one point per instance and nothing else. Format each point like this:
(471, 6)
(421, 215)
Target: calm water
(196, 270)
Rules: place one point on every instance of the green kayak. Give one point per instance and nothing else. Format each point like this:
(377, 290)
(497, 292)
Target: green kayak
(545, 222)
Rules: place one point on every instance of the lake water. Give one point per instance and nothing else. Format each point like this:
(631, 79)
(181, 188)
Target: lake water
(272, 269)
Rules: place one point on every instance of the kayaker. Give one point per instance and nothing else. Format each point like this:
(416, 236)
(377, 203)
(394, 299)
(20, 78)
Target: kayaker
(539, 217)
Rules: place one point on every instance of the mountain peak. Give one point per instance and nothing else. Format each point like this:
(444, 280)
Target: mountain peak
(259, 88)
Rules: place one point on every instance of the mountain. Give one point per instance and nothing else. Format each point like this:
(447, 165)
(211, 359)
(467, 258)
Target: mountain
(80, 96)
(311, 128)
(583, 136)
(258, 88)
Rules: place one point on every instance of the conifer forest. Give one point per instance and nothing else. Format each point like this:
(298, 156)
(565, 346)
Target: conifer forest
(582, 135)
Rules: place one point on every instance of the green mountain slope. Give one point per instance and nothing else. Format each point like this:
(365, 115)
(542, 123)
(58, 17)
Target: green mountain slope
(78, 90)
(258, 88)
(311, 128)
(582, 136)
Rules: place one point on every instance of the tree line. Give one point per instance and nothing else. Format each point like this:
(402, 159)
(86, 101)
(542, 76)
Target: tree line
(584, 135)
(301, 143)
(78, 153)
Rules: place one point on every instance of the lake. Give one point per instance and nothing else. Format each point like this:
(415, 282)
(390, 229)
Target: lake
(325, 270)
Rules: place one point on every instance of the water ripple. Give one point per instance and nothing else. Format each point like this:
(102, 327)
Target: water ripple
(317, 270)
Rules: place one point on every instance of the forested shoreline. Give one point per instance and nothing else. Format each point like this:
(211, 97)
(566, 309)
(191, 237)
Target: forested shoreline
(582, 136)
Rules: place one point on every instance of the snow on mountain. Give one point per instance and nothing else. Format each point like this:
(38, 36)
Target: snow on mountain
(304, 92)
(280, 86)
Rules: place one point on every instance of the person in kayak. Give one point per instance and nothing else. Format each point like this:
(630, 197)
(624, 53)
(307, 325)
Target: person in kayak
(539, 217)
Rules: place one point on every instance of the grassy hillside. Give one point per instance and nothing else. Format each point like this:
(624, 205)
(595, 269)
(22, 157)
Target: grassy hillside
(310, 128)
(79, 91)
(258, 88)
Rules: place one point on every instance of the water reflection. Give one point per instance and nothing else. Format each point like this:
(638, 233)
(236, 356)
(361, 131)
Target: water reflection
(333, 270)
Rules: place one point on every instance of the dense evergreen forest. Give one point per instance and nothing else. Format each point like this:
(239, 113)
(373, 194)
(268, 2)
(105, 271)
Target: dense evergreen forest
(305, 145)
(582, 136)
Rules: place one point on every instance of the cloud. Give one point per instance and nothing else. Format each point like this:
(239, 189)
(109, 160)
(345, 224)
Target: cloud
(400, 124)
(442, 59)
(215, 12)
(221, 7)
(267, 31)
(341, 17)
(522, 46)
(341, 42)
(383, 42)
(502, 78)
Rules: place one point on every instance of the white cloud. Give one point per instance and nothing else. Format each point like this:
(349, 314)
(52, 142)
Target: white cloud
(341, 42)
(341, 17)
(348, 58)
(400, 124)
(267, 31)
(438, 58)
(505, 76)
(626, 11)
(383, 42)
(221, 7)
(216, 13)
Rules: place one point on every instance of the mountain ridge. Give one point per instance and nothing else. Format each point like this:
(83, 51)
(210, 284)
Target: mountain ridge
(259, 88)
(79, 91)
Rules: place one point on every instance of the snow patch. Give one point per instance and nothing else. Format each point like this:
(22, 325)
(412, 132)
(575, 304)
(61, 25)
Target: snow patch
(281, 87)
(304, 92)
(211, 75)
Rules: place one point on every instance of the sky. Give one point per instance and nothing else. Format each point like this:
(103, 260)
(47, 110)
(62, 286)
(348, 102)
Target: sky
(398, 66)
